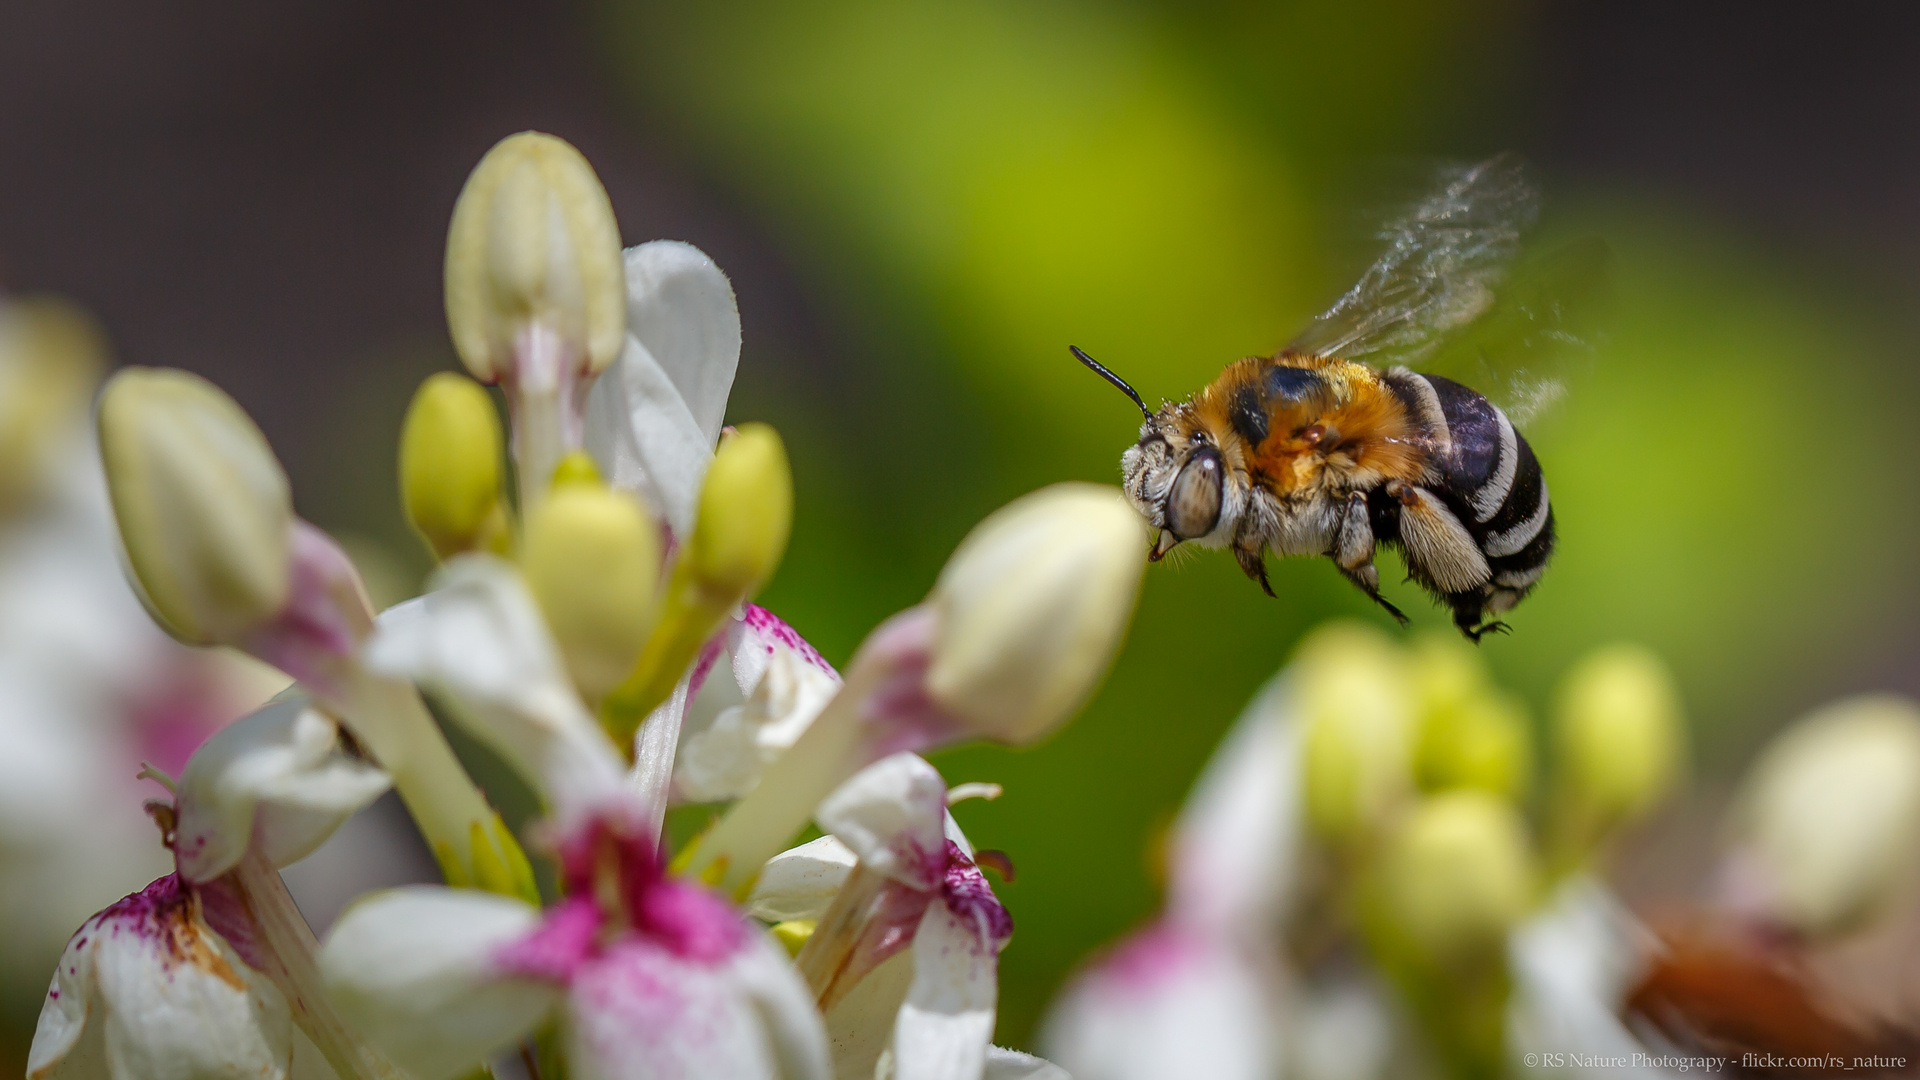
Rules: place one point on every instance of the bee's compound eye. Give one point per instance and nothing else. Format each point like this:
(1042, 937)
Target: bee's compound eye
(1193, 503)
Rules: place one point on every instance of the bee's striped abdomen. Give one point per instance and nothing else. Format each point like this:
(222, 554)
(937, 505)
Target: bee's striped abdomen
(1490, 481)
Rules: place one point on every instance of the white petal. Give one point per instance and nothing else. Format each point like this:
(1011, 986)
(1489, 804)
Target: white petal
(413, 971)
(277, 778)
(478, 639)
(786, 1009)
(1167, 1005)
(946, 1023)
(1572, 965)
(638, 1011)
(1342, 1027)
(1238, 835)
(1004, 1064)
(725, 760)
(892, 814)
(145, 991)
(654, 416)
(800, 882)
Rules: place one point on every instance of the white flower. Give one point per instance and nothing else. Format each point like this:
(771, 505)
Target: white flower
(905, 957)
(201, 973)
(1200, 993)
(146, 989)
(725, 760)
(650, 977)
(1573, 965)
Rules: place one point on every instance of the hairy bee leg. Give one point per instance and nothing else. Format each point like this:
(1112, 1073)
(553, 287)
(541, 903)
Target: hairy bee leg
(1254, 565)
(1353, 553)
(1367, 580)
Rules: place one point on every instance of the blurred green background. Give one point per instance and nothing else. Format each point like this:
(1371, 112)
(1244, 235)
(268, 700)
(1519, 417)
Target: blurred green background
(922, 204)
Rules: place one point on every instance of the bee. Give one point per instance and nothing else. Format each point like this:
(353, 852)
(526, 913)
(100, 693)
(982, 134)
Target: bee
(1334, 446)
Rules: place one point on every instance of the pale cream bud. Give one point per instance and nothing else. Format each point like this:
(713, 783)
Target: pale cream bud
(1832, 809)
(1620, 733)
(1357, 707)
(533, 241)
(450, 452)
(204, 509)
(1032, 607)
(591, 557)
(1457, 874)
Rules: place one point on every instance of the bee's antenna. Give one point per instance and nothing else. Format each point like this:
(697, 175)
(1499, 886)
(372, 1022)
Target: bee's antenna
(1116, 380)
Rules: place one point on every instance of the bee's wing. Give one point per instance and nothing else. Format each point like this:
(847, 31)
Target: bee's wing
(1448, 266)
(1542, 326)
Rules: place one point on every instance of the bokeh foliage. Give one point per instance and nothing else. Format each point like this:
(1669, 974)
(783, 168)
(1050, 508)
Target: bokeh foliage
(965, 188)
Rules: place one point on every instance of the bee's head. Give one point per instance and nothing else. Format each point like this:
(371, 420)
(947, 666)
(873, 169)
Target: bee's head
(1178, 480)
(1174, 475)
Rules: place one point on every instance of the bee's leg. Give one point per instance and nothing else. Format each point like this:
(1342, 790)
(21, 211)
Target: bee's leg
(1467, 613)
(1254, 564)
(1353, 553)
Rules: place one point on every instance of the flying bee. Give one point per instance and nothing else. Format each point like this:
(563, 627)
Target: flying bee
(1334, 446)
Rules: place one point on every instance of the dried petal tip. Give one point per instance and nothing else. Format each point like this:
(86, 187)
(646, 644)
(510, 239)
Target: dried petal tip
(533, 241)
(450, 449)
(746, 512)
(1032, 608)
(204, 509)
(591, 558)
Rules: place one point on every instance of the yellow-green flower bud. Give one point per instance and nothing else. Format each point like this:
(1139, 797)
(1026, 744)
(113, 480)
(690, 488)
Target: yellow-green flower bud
(591, 556)
(450, 452)
(1456, 875)
(1480, 741)
(204, 509)
(746, 513)
(1352, 685)
(533, 240)
(1832, 810)
(1032, 607)
(1619, 734)
(50, 355)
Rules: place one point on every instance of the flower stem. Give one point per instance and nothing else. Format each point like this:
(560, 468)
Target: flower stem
(289, 958)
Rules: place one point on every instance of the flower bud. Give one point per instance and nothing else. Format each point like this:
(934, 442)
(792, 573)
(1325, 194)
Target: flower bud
(1481, 741)
(533, 241)
(450, 447)
(591, 556)
(50, 355)
(1618, 729)
(746, 512)
(1032, 607)
(1832, 809)
(1359, 729)
(1456, 875)
(204, 509)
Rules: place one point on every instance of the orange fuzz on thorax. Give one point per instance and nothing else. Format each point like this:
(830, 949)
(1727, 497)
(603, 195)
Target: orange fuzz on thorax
(1351, 432)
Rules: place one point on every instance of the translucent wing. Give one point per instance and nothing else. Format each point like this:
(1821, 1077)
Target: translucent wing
(1540, 330)
(1444, 257)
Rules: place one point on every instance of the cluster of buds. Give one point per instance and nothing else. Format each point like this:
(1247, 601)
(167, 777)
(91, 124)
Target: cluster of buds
(587, 597)
(1349, 874)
